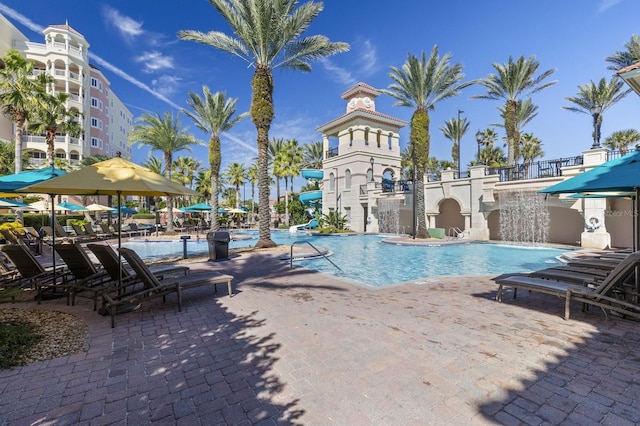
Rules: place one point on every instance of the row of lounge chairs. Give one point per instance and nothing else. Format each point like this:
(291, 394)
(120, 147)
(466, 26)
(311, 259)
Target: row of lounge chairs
(115, 283)
(610, 282)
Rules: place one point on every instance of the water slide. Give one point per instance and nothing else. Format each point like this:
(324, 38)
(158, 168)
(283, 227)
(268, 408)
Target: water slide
(312, 199)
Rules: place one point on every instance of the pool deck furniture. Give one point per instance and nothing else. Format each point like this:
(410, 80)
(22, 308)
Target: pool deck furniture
(606, 294)
(86, 276)
(34, 274)
(195, 280)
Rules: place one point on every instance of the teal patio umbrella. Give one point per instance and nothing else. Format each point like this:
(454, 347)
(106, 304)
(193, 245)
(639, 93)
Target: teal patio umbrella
(73, 207)
(619, 177)
(10, 183)
(200, 207)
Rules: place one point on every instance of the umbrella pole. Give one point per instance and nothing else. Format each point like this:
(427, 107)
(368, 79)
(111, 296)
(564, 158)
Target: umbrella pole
(53, 237)
(119, 240)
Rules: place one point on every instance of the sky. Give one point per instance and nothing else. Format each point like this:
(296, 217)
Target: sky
(136, 46)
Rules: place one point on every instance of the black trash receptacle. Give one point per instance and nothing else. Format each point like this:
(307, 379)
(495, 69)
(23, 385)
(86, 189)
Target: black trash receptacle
(218, 245)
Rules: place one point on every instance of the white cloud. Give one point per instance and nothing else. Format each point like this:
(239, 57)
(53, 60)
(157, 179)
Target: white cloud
(607, 4)
(338, 74)
(166, 84)
(369, 59)
(154, 61)
(128, 27)
(21, 18)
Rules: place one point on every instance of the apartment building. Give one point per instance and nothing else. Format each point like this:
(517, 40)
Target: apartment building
(106, 121)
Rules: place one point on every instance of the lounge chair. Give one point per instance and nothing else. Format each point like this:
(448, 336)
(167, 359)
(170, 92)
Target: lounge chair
(603, 294)
(152, 287)
(81, 234)
(111, 263)
(106, 231)
(33, 274)
(86, 276)
(13, 237)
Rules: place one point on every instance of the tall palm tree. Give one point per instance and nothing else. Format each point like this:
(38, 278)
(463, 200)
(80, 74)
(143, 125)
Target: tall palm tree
(18, 92)
(236, 175)
(454, 129)
(275, 146)
(288, 162)
(627, 57)
(621, 140)
(513, 81)
(203, 184)
(163, 133)
(594, 99)
(421, 83)
(267, 35)
(312, 155)
(50, 116)
(214, 114)
(525, 112)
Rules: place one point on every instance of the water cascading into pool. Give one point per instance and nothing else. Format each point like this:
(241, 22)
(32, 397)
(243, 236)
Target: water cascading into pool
(389, 216)
(524, 217)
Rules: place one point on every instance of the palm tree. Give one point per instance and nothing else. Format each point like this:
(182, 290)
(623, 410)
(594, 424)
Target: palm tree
(627, 57)
(162, 133)
(493, 156)
(312, 155)
(525, 112)
(513, 81)
(87, 161)
(531, 149)
(252, 177)
(6, 158)
(421, 84)
(236, 175)
(621, 140)
(275, 146)
(214, 114)
(154, 164)
(203, 186)
(594, 99)
(18, 92)
(267, 35)
(50, 116)
(288, 162)
(454, 129)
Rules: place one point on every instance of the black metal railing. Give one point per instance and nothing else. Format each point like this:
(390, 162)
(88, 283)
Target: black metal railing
(331, 152)
(536, 170)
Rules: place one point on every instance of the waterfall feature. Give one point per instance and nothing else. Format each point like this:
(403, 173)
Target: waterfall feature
(389, 216)
(524, 217)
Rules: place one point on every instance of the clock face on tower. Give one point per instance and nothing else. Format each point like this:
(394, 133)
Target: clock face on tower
(352, 103)
(367, 102)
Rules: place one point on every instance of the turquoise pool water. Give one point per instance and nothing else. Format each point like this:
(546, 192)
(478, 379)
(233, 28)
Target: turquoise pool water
(366, 260)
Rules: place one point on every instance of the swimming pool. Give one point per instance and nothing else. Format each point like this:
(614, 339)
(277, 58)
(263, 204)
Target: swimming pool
(365, 259)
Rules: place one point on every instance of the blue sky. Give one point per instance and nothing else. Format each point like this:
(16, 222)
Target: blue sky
(135, 44)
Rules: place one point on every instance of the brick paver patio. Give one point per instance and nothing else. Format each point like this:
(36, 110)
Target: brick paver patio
(298, 347)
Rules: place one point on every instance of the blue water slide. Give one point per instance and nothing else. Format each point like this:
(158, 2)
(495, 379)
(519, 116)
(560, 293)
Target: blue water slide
(310, 197)
(312, 174)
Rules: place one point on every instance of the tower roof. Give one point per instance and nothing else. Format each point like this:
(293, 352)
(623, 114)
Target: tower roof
(361, 89)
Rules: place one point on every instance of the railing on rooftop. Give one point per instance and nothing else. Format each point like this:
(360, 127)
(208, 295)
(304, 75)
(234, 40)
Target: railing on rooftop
(331, 152)
(536, 170)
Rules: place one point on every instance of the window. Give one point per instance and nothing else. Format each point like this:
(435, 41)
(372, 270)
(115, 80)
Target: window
(332, 182)
(366, 136)
(94, 82)
(378, 135)
(96, 103)
(347, 179)
(60, 155)
(94, 142)
(96, 123)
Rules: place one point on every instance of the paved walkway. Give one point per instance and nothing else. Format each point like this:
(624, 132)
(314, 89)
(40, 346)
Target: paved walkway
(298, 347)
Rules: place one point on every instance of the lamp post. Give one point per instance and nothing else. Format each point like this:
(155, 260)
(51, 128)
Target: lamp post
(596, 111)
(458, 138)
(413, 181)
(371, 160)
(480, 140)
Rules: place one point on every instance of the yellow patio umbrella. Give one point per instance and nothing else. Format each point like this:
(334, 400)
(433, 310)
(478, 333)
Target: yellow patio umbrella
(115, 176)
(99, 208)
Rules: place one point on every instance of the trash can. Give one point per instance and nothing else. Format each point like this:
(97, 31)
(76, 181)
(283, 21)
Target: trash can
(218, 245)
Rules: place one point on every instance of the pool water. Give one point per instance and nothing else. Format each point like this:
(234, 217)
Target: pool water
(365, 259)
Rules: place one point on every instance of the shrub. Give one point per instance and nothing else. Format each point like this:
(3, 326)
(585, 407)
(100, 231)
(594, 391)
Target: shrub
(143, 216)
(16, 340)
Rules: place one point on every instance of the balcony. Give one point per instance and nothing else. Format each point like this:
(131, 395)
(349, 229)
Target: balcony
(537, 170)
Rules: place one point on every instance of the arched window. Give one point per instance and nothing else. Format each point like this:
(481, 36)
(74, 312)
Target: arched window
(332, 182)
(389, 141)
(378, 137)
(366, 136)
(369, 175)
(350, 137)
(347, 179)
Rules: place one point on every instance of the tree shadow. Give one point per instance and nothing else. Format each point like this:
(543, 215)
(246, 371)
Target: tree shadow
(591, 377)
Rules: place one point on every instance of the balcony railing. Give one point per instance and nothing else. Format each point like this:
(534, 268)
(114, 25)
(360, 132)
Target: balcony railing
(537, 170)
(331, 152)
